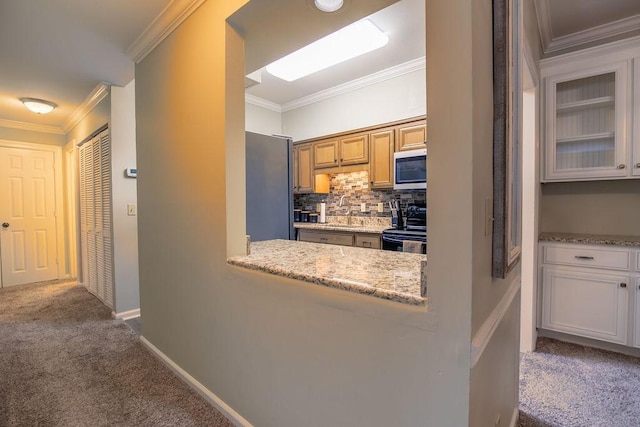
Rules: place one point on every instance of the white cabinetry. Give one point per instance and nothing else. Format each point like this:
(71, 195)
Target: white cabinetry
(586, 291)
(591, 113)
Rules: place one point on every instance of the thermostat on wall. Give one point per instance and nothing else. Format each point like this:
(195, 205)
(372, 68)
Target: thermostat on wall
(131, 173)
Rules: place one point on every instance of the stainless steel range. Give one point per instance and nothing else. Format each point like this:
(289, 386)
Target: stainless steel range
(414, 229)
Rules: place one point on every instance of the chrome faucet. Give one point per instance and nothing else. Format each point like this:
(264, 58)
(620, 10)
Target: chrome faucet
(348, 210)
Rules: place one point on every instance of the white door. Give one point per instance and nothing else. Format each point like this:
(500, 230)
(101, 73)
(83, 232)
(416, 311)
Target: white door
(27, 216)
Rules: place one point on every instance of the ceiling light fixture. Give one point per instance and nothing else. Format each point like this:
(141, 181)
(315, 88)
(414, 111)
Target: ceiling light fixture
(347, 43)
(38, 106)
(328, 5)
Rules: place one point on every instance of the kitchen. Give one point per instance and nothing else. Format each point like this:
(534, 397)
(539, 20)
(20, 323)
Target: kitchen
(343, 164)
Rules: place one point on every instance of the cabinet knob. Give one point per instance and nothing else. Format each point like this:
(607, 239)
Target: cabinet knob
(623, 285)
(638, 165)
(622, 166)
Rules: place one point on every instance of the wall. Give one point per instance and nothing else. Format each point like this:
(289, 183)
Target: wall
(391, 100)
(262, 120)
(282, 352)
(124, 191)
(493, 300)
(600, 207)
(20, 135)
(94, 120)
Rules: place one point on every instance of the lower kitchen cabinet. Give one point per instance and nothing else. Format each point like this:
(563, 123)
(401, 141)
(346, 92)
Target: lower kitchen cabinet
(585, 303)
(636, 338)
(343, 238)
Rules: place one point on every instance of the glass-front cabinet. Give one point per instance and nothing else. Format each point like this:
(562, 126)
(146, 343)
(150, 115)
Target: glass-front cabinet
(586, 133)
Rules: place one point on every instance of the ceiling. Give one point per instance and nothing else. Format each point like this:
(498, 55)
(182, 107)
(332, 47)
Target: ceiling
(572, 24)
(60, 50)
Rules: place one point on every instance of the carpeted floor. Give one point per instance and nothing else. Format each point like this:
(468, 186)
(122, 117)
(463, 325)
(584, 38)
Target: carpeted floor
(65, 362)
(567, 385)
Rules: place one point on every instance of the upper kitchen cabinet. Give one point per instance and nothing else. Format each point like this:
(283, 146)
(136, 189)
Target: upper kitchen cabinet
(411, 137)
(381, 166)
(344, 151)
(303, 169)
(589, 131)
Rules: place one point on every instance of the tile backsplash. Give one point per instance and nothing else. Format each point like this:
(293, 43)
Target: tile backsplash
(354, 186)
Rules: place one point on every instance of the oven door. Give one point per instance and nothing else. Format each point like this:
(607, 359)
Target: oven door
(392, 242)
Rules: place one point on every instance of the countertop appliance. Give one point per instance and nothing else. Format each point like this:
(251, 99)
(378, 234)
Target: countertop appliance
(415, 229)
(269, 181)
(410, 170)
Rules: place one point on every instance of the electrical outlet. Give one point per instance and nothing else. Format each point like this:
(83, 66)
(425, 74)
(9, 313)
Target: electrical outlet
(363, 207)
(380, 207)
(132, 209)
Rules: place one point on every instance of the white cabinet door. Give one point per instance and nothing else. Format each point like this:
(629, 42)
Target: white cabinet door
(584, 303)
(636, 340)
(636, 118)
(585, 133)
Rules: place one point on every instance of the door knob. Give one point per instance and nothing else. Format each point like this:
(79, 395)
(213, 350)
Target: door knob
(623, 285)
(5, 225)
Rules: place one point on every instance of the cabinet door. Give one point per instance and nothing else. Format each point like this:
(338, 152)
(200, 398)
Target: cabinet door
(304, 169)
(325, 154)
(328, 237)
(585, 135)
(636, 339)
(585, 303)
(381, 165)
(354, 150)
(636, 118)
(411, 137)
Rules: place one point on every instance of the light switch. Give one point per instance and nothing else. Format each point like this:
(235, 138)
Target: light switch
(380, 207)
(132, 209)
(363, 207)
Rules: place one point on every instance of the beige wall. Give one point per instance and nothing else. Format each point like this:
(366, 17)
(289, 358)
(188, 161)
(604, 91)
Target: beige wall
(602, 207)
(94, 120)
(287, 353)
(20, 135)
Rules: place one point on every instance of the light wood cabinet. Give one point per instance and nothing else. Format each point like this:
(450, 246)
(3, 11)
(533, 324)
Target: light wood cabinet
(412, 136)
(342, 238)
(303, 176)
(354, 150)
(381, 164)
(326, 154)
(363, 240)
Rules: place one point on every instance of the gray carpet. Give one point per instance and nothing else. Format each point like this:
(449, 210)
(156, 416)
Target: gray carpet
(65, 362)
(567, 385)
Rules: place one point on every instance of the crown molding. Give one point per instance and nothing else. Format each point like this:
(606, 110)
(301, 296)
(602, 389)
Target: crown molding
(261, 102)
(601, 32)
(168, 20)
(380, 76)
(90, 102)
(33, 127)
(544, 22)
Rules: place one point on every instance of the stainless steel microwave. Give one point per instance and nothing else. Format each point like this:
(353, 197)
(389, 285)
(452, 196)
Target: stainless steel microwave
(410, 170)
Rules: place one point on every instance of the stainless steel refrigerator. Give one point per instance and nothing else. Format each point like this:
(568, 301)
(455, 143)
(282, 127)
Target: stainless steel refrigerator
(269, 162)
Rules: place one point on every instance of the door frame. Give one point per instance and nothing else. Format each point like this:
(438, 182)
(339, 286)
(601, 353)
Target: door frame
(58, 197)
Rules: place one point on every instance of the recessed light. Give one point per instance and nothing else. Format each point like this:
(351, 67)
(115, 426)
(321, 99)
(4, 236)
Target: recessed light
(38, 106)
(328, 5)
(347, 43)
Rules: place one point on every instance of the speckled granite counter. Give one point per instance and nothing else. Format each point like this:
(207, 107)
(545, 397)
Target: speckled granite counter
(389, 275)
(590, 239)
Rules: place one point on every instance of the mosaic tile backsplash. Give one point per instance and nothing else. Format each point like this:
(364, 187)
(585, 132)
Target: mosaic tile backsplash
(355, 188)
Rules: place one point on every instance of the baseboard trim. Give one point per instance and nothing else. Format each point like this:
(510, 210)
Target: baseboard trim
(210, 397)
(515, 417)
(482, 338)
(126, 315)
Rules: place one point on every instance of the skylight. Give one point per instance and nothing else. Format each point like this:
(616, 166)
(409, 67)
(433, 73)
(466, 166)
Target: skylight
(347, 43)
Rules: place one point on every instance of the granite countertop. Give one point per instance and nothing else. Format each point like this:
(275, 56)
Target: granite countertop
(590, 239)
(395, 276)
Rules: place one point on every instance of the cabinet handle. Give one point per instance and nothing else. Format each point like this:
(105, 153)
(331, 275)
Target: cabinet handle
(622, 166)
(623, 285)
(324, 239)
(366, 244)
(583, 257)
(638, 165)
(335, 160)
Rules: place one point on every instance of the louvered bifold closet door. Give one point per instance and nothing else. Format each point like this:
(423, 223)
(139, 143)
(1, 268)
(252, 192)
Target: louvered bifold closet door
(95, 202)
